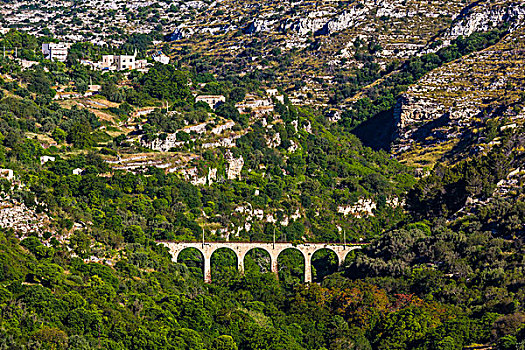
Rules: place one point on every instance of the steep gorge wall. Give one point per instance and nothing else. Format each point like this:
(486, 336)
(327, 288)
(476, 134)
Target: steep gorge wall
(486, 15)
(459, 97)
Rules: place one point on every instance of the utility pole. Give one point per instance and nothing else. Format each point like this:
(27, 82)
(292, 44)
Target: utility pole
(203, 238)
(4, 50)
(344, 238)
(274, 237)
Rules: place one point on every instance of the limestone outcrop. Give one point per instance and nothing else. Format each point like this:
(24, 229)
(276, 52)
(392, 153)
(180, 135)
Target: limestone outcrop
(450, 103)
(21, 218)
(486, 15)
(260, 25)
(348, 19)
(235, 166)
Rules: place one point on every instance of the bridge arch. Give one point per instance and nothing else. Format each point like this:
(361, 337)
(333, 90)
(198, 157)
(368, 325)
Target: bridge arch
(324, 265)
(213, 254)
(177, 258)
(254, 249)
(274, 249)
(306, 261)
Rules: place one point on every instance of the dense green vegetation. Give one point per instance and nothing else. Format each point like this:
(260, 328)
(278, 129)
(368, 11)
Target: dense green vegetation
(407, 290)
(329, 169)
(96, 278)
(412, 292)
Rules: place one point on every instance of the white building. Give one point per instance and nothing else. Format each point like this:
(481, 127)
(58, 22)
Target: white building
(55, 51)
(124, 62)
(212, 100)
(7, 174)
(108, 61)
(161, 58)
(45, 159)
(118, 62)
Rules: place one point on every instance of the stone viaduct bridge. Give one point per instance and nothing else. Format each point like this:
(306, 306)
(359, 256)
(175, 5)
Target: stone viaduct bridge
(273, 249)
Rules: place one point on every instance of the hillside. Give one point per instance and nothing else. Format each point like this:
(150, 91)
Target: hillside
(393, 126)
(305, 47)
(453, 110)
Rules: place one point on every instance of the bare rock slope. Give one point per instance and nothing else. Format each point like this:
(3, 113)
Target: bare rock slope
(454, 102)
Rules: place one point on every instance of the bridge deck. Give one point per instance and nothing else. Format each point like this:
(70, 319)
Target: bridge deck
(274, 250)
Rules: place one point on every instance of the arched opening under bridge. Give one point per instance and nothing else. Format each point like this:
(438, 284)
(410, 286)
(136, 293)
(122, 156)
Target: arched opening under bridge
(224, 264)
(324, 262)
(193, 258)
(258, 259)
(291, 266)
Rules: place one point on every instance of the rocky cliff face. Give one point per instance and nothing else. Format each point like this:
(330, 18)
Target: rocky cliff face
(365, 14)
(260, 25)
(308, 25)
(234, 167)
(486, 15)
(348, 19)
(319, 39)
(453, 103)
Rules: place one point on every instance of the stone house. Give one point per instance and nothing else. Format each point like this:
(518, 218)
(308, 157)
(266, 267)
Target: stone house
(118, 62)
(45, 159)
(56, 51)
(7, 174)
(212, 100)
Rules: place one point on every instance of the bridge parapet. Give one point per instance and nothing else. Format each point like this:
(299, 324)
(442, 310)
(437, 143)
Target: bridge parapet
(274, 250)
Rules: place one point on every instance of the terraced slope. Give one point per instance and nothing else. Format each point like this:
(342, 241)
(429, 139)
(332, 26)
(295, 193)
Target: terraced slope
(309, 42)
(449, 109)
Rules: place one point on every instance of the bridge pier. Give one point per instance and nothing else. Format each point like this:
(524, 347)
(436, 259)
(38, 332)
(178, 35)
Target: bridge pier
(207, 269)
(274, 250)
(240, 263)
(307, 269)
(274, 267)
